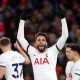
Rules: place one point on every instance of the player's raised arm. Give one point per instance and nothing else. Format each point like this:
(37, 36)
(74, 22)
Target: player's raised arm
(60, 43)
(20, 36)
(17, 46)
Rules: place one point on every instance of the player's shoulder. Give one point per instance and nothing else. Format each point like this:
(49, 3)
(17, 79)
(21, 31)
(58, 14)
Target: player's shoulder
(13, 52)
(52, 47)
(8, 53)
(69, 66)
(77, 63)
(70, 62)
(2, 55)
(77, 67)
(16, 52)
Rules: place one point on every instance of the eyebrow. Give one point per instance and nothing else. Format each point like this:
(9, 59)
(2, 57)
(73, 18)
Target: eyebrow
(67, 51)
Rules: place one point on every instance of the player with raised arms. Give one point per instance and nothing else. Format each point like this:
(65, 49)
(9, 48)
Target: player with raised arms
(43, 59)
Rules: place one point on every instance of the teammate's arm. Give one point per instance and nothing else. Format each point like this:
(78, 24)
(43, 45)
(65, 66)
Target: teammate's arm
(2, 72)
(27, 60)
(60, 43)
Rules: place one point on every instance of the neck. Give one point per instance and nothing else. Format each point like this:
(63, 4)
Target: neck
(43, 51)
(76, 58)
(7, 49)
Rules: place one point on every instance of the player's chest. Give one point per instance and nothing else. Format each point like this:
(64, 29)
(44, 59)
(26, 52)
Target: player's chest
(41, 59)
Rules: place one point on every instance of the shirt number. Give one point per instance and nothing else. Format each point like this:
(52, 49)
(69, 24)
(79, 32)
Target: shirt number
(16, 72)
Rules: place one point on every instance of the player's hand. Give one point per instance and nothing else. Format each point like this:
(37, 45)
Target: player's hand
(57, 9)
(16, 45)
(26, 14)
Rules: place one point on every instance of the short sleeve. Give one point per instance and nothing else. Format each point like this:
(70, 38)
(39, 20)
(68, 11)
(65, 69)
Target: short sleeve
(2, 61)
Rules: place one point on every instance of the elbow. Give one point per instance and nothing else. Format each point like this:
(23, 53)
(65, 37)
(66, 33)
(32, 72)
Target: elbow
(18, 37)
(18, 40)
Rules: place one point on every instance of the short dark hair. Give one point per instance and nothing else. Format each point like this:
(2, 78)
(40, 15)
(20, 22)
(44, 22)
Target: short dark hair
(73, 46)
(4, 41)
(41, 34)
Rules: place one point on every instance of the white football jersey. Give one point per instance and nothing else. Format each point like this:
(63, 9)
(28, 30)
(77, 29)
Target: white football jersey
(75, 71)
(44, 64)
(12, 61)
(69, 68)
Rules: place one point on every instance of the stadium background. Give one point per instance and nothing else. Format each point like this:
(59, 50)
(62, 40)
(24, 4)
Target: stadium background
(41, 17)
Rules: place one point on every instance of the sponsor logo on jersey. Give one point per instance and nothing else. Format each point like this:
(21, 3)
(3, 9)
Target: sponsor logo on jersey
(40, 61)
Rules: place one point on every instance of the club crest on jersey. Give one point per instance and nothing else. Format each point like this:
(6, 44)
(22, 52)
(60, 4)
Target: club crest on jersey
(40, 61)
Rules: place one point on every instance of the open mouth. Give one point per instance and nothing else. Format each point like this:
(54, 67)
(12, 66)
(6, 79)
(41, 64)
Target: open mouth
(41, 45)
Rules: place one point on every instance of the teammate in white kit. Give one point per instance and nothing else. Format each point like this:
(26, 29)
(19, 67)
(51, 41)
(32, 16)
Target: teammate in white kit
(68, 70)
(43, 59)
(73, 66)
(11, 61)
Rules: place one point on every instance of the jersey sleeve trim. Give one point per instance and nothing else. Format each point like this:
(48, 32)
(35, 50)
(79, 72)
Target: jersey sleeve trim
(22, 47)
(57, 48)
(77, 74)
(27, 48)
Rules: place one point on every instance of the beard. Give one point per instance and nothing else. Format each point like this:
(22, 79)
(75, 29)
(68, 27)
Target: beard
(42, 49)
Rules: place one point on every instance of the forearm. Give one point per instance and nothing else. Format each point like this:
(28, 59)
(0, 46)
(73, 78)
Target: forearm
(20, 35)
(27, 61)
(64, 36)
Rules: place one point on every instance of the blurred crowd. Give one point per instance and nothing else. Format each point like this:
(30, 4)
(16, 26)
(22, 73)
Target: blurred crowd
(41, 18)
